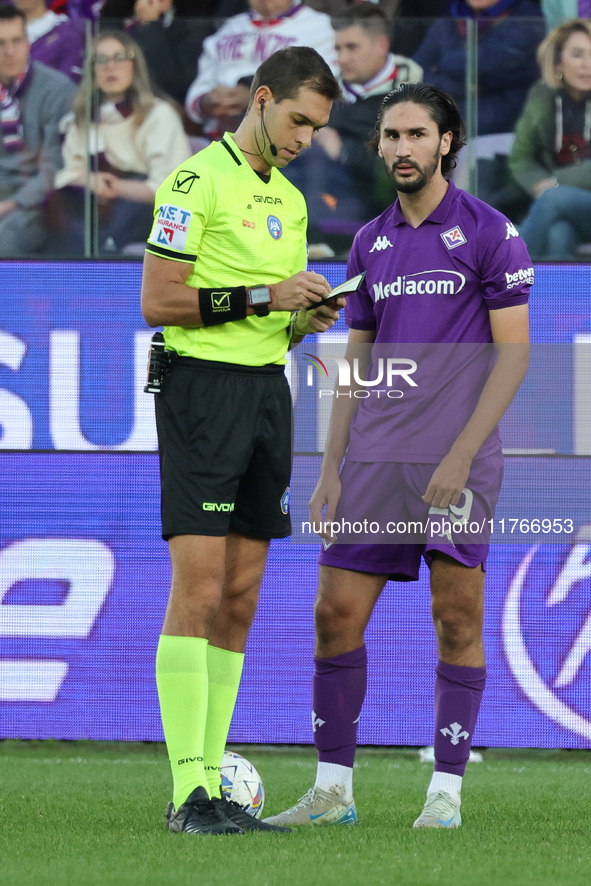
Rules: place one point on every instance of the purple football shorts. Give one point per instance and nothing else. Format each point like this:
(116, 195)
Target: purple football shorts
(383, 526)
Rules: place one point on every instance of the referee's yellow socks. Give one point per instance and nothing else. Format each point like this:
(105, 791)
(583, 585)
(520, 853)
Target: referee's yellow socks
(181, 677)
(224, 670)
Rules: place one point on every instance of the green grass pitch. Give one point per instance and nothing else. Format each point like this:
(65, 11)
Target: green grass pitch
(92, 814)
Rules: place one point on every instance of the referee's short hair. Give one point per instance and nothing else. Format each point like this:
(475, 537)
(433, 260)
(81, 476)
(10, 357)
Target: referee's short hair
(288, 70)
(441, 108)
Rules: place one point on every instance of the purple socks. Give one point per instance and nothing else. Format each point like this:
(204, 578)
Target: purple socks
(338, 692)
(458, 693)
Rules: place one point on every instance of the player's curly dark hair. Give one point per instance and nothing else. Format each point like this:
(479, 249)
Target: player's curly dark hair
(442, 110)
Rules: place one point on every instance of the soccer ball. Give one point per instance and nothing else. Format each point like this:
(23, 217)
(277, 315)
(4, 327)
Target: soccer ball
(242, 783)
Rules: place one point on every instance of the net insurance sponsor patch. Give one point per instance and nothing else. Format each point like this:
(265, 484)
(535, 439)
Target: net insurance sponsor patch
(171, 227)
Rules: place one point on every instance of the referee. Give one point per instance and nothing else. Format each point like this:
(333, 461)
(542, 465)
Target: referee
(224, 273)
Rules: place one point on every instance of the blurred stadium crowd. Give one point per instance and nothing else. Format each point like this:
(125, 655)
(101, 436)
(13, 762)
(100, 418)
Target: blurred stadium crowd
(99, 101)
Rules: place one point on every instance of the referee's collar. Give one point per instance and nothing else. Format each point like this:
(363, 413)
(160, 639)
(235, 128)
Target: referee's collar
(239, 158)
(232, 148)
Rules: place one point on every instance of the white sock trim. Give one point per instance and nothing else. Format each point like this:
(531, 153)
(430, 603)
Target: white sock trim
(445, 781)
(335, 779)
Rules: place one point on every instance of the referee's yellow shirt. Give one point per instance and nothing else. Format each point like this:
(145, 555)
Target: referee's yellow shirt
(217, 213)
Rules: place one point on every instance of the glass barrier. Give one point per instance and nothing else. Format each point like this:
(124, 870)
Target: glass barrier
(141, 108)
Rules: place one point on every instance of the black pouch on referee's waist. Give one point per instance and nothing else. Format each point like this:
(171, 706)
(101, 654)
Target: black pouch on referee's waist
(159, 365)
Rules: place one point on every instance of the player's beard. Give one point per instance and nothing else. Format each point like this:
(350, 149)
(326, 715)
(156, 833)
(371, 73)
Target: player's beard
(425, 175)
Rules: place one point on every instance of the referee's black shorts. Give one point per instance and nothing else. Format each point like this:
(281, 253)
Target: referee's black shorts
(225, 438)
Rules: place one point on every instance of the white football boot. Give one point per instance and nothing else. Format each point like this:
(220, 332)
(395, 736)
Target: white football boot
(441, 810)
(317, 807)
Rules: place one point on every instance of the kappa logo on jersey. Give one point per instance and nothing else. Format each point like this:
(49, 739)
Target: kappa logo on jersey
(274, 227)
(380, 244)
(523, 275)
(454, 237)
(436, 282)
(184, 181)
(171, 227)
(511, 231)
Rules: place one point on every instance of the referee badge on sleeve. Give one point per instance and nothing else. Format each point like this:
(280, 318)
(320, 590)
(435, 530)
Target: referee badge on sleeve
(171, 227)
(284, 502)
(184, 181)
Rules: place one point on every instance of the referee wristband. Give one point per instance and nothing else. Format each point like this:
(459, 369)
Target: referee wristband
(222, 305)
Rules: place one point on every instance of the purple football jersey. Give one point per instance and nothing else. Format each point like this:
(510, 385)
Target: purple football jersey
(427, 294)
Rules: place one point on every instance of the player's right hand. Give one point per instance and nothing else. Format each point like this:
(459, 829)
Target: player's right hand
(303, 289)
(327, 494)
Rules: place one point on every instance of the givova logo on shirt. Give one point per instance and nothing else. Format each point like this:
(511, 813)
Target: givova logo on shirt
(171, 227)
(436, 282)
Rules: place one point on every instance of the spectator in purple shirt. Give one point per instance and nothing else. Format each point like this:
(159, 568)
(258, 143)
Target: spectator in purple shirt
(55, 40)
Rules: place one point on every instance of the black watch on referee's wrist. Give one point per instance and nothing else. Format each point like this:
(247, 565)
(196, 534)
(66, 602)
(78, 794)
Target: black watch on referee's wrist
(259, 299)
